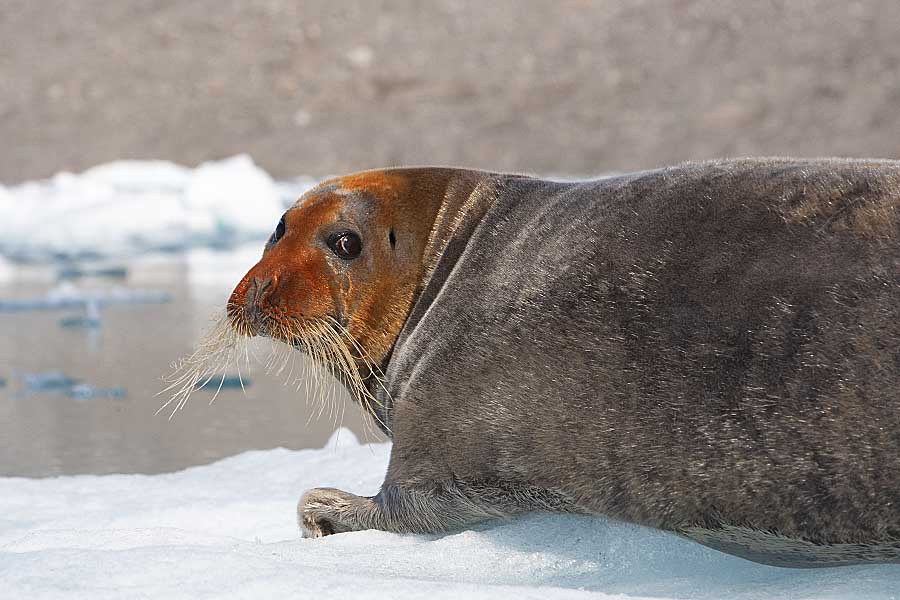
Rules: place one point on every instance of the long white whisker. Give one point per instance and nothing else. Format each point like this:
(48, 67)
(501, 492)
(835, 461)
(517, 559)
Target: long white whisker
(329, 349)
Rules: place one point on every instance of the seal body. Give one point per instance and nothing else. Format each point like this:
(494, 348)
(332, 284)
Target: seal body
(709, 349)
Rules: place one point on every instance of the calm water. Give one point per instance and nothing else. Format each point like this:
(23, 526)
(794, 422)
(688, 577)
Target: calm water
(48, 433)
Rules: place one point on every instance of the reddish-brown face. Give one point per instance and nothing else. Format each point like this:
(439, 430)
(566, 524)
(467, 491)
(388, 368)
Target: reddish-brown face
(348, 254)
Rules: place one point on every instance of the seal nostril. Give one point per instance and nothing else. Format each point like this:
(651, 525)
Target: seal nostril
(263, 287)
(259, 291)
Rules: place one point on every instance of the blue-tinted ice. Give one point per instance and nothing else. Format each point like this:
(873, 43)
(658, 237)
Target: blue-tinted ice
(85, 391)
(72, 298)
(89, 320)
(227, 382)
(49, 380)
(59, 382)
(73, 272)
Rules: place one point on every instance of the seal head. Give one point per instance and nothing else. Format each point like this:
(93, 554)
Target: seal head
(351, 256)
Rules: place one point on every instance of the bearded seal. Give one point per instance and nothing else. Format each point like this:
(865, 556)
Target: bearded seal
(709, 349)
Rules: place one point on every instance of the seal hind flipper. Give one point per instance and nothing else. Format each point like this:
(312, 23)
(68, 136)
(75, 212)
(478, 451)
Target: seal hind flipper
(770, 548)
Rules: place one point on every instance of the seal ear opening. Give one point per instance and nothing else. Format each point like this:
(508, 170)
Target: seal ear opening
(392, 238)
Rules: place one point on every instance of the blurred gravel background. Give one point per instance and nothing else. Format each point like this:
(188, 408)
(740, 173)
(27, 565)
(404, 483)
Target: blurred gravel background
(319, 87)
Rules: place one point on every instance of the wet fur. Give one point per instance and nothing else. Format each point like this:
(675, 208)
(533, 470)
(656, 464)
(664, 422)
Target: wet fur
(710, 349)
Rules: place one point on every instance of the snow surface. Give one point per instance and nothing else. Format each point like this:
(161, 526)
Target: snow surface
(228, 530)
(124, 208)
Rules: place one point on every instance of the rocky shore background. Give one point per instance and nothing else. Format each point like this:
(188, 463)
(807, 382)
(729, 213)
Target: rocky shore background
(564, 87)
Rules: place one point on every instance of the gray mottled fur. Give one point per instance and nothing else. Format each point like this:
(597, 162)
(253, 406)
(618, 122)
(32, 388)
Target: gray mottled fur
(710, 349)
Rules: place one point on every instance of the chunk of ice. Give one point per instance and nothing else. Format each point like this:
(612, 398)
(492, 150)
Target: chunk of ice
(67, 296)
(127, 208)
(50, 380)
(72, 272)
(89, 320)
(59, 382)
(85, 391)
(226, 382)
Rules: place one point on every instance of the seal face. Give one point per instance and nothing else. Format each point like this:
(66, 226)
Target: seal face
(710, 349)
(341, 270)
(333, 256)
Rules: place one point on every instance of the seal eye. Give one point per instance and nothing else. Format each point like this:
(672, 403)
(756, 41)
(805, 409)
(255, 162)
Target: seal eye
(346, 245)
(279, 233)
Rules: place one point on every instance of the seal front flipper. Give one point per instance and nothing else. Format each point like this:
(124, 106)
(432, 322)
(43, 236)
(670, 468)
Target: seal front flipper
(325, 511)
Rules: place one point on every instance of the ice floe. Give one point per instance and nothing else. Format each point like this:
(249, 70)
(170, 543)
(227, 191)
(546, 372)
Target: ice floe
(67, 296)
(126, 208)
(228, 530)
